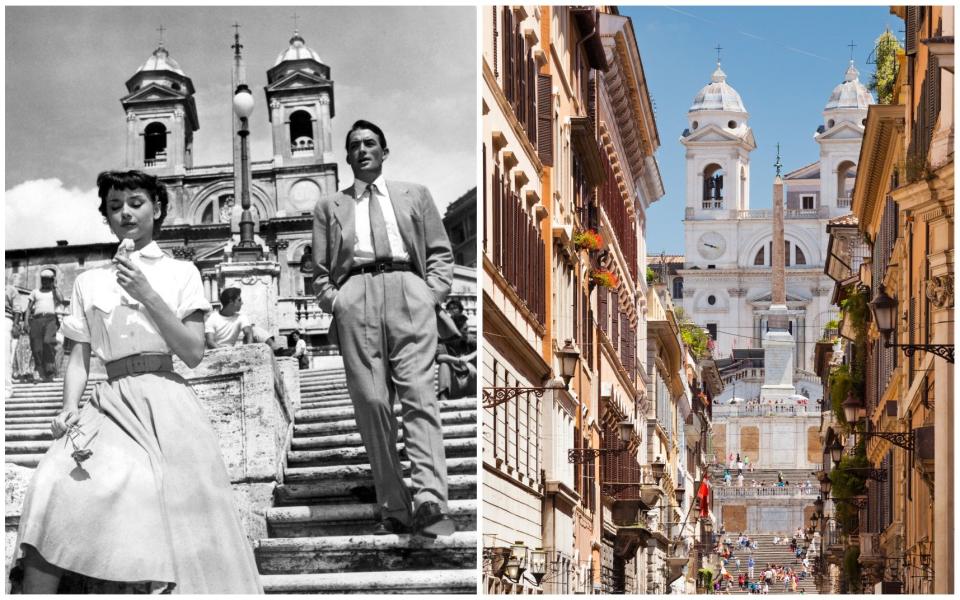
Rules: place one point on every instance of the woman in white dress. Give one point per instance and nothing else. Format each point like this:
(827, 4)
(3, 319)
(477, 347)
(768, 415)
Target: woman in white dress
(133, 495)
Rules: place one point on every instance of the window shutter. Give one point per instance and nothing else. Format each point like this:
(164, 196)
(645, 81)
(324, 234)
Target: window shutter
(485, 183)
(912, 25)
(932, 107)
(508, 54)
(545, 119)
(496, 43)
(602, 308)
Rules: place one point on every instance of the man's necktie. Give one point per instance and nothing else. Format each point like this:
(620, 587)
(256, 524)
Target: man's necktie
(378, 227)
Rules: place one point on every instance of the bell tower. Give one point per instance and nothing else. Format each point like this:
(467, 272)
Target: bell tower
(300, 96)
(161, 116)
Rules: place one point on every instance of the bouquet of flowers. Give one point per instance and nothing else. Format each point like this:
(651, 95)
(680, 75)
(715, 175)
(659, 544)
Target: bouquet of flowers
(588, 239)
(604, 278)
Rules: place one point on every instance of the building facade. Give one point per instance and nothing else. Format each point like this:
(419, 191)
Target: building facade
(568, 144)
(725, 276)
(894, 254)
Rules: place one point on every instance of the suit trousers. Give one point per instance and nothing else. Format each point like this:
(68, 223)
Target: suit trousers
(387, 328)
(43, 343)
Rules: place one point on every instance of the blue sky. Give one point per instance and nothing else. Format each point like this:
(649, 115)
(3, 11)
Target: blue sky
(784, 62)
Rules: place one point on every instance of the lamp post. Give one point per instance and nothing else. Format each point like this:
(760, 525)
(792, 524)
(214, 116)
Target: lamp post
(243, 107)
(569, 355)
(587, 455)
(884, 309)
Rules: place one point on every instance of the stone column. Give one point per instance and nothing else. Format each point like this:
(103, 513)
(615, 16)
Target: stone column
(941, 291)
(778, 291)
(281, 147)
(326, 130)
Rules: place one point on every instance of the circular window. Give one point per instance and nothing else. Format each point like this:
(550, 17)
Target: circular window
(696, 124)
(732, 124)
(830, 123)
(175, 85)
(863, 122)
(711, 300)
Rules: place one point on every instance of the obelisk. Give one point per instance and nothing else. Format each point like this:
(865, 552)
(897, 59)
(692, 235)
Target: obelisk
(778, 343)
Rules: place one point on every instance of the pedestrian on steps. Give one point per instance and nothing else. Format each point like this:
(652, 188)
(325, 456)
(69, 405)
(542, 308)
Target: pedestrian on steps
(133, 493)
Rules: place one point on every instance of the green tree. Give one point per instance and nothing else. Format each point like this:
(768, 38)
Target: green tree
(885, 67)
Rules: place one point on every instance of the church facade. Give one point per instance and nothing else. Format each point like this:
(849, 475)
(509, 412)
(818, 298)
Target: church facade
(726, 275)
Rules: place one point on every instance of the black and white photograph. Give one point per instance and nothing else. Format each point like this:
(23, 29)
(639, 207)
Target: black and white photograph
(241, 300)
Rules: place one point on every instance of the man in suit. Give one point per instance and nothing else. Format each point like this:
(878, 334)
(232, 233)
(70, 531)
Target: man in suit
(383, 267)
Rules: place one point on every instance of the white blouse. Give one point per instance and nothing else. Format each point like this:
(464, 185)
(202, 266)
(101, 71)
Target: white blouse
(113, 323)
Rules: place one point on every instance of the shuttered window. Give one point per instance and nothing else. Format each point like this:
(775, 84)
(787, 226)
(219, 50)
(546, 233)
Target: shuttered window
(912, 25)
(545, 119)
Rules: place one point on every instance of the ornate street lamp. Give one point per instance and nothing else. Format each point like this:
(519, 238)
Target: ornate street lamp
(884, 309)
(825, 485)
(538, 564)
(836, 451)
(568, 355)
(657, 468)
(516, 564)
(853, 408)
(243, 108)
(587, 455)
(818, 506)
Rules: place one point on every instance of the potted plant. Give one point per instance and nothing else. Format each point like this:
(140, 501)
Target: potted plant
(604, 278)
(588, 239)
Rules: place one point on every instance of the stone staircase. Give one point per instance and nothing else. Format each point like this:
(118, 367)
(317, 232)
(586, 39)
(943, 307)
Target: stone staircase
(767, 553)
(27, 414)
(316, 542)
(326, 502)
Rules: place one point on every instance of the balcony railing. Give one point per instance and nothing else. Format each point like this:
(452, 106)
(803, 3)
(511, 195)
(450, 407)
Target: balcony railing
(767, 410)
(304, 150)
(844, 201)
(155, 162)
(713, 204)
(302, 313)
(721, 491)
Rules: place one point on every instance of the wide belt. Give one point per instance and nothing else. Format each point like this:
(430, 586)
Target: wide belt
(137, 364)
(379, 267)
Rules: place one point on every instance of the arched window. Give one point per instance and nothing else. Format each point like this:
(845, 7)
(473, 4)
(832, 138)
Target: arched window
(218, 210)
(678, 287)
(301, 133)
(801, 258)
(759, 260)
(154, 144)
(713, 186)
(846, 173)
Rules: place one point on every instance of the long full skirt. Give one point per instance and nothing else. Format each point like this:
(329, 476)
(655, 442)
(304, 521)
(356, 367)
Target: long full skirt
(152, 504)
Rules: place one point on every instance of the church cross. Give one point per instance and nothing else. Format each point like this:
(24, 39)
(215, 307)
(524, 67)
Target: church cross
(296, 23)
(236, 39)
(851, 45)
(161, 29)
(718, 49)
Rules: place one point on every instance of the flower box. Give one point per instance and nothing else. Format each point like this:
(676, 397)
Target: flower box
(604, 278)
(588, 239)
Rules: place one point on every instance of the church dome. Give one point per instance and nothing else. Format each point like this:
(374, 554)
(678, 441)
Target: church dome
(160, 61)
(718, 95)
(851, 94)
(298, 50)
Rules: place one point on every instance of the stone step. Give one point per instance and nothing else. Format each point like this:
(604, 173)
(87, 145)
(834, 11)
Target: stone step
(454, 581)
(310, 442)
(340, 554)
(13, 435)
(24, 460)
(31, 426)
(325, 404)
(362, 471)
(357, 454)
(31, 417)
(27, 447)
(323, 415)
(347, 426)
(460, 487)
(346, 519)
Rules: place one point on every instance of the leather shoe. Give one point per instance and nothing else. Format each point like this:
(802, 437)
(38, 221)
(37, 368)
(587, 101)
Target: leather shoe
(388, 526)
(429, 521)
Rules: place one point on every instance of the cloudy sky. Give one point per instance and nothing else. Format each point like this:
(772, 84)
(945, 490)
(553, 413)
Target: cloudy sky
(411, 70)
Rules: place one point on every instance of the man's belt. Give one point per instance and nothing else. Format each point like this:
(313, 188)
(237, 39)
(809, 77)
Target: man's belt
(375, 268)
(139, 363)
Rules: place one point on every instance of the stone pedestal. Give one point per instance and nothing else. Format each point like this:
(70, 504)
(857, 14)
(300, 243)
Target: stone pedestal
(258, 284)
(778, 349)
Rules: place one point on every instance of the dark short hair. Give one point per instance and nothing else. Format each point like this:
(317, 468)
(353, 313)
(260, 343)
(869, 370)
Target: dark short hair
(454, 303)
(131, 180)
(228, 295)
(460, 320)
(361, 124)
